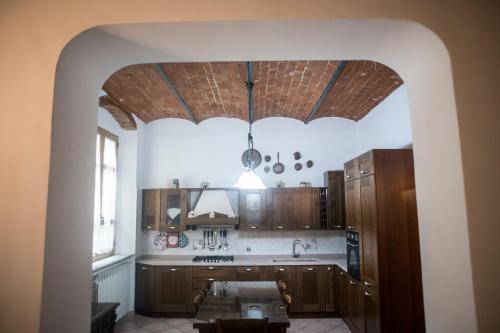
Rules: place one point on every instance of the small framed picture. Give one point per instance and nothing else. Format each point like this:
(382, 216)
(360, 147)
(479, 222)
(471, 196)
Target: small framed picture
(173, 239)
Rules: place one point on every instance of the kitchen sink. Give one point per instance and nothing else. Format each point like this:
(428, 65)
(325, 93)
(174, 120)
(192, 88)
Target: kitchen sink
(295, 260)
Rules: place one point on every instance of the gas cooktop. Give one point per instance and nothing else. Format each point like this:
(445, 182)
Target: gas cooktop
(213, 259)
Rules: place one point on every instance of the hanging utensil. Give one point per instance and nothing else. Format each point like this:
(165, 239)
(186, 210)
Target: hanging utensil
(226, 244)
(251, 158)
(278, 167)
(204, 239)
(220, 239)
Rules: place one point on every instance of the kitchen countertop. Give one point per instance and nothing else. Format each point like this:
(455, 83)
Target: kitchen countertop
(249, 260)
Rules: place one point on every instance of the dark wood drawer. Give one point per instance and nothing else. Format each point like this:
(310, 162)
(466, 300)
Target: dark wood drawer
(211, 271)
(201, 283)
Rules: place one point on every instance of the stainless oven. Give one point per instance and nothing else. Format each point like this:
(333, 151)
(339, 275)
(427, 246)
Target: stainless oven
(353, 262)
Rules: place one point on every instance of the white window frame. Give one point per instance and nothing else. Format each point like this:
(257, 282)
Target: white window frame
(105, 134)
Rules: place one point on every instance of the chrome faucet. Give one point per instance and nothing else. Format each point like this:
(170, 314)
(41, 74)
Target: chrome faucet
(295, 243)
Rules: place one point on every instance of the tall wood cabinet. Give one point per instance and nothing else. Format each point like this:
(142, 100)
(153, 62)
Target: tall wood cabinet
(335, 206)
(381, 206)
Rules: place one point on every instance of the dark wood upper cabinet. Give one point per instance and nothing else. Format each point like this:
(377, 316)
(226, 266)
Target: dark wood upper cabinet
(352, 205)
(383, 200)
(351, 170)
(253, 204)
(173, 210)
(173, 289)
(151, 209)
(278, 209)
(335, 200)
(311, 288)
(304, 208)
(144, 287)
(250, 273)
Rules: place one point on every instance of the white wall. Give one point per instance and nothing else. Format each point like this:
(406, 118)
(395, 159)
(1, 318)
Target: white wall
(126, 201)
(388, 125)
(211, 151)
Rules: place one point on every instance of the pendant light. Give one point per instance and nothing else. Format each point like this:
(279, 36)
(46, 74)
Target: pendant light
(249, 179)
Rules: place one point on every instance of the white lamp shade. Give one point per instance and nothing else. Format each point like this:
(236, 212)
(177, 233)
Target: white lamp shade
(250, 181)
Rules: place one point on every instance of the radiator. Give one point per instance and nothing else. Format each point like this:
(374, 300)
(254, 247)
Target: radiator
(113, 285)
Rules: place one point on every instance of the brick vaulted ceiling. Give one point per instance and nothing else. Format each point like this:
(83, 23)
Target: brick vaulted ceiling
(303, 90)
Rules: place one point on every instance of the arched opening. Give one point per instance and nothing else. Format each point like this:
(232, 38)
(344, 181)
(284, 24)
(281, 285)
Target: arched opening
(410, 49)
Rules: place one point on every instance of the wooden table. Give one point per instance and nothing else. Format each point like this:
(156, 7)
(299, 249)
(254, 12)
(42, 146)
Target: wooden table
(249, 299)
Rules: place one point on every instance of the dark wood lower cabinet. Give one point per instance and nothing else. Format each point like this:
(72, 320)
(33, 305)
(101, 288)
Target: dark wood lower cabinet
(173, 289)
(356, 306)
(329, 282)
(249, 273)
(144, 287)
(288, 275)
(310, 289)
(371, 309)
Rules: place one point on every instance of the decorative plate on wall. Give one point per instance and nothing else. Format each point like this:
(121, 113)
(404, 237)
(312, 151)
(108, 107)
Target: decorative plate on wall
(173, 239)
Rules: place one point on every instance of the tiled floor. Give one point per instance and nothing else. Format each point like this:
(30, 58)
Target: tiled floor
(133, 323)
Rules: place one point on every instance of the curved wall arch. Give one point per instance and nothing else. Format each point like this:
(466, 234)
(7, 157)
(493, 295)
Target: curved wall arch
(412, 50)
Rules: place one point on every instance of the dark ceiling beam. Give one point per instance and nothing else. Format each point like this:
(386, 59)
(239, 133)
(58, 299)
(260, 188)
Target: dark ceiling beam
(174, 91)
(250, 90)
(327, 90)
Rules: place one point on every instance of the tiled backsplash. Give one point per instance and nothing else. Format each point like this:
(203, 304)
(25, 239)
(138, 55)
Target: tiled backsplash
(259, 242)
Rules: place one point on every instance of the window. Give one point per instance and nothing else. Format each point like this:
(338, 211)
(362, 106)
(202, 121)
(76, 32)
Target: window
(105, 194)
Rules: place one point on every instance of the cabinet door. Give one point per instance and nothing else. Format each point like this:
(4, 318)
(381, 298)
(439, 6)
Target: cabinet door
(372, 309)
(304, 204)
(278, 207)
(356, 306)
(330, 289)
(288, 275)
(151, 209)
(253, 210)
(344, 306)
(173, 291)
(365, 163)
(335, 207)
(352, 204)
(310, 289)
(369, 260)
(351, 170)
(249, 273)
(173, 210)
(144, 287)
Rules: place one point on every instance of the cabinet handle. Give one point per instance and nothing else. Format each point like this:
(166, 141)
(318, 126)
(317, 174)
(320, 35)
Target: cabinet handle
(281, 269)
(210, 279)
(280, 227)
(310, 269)
(368, 294)
(149, 227)
(352, 283)
(342, 273)
(173, 269)
(349, 177)
(306, 226)
(211, 268)
(329, 268)
(171, 228)
(368, 284)
(350, 227)
(253, 227)
(248, 269)
(144, 268)
(363, 172)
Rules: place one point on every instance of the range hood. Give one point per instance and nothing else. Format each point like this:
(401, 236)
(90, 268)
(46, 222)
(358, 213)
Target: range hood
(213, 201)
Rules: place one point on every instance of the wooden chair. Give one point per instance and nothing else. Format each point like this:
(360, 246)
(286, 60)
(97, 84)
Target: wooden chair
(198, 301)
(282, 287)
(287, 301)
(242, 325)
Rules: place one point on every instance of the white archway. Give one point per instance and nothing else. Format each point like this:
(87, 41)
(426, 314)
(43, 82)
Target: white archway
(412, 50)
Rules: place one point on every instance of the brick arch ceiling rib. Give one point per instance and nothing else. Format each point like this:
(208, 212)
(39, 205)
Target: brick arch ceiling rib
(196, 91)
